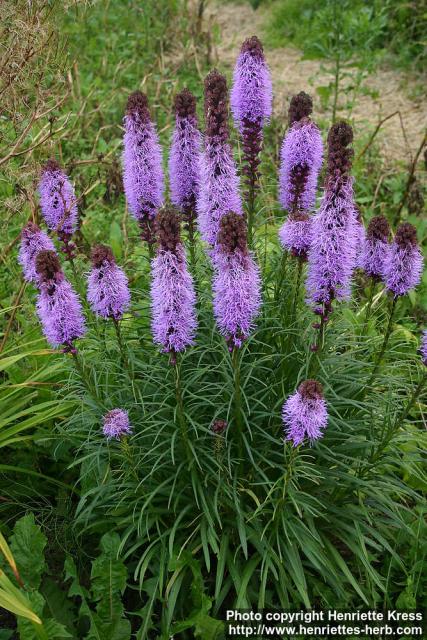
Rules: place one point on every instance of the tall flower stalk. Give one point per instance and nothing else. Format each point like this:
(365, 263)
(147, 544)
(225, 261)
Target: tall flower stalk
(58, 205)
(251, 104)
(219, 184)
(184, 162)
(332, 255)
(142, 164)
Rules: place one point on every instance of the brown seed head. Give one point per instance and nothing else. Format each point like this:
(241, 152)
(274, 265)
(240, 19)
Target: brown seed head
(168, 229)
(216, 106)
(406, 236)
(232, 233)
(101, 253)
(311, 390)
(301, 106)
(379, 229)
(137, 106)
(253, 46)
(185, 104)
(47, 265)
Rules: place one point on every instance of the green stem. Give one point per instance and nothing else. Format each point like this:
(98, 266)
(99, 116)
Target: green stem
(237, 397)
(368, 307)
(297, 288)
(127, 451)
(413, 399)
(180, 408)
(82, 373)
(384, 344)
(251, 213)
(120, 343)
(282, 273)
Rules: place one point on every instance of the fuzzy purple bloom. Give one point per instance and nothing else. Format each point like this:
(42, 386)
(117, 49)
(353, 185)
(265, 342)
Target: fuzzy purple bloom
(185, 155)
(57, 200)
(236, 283)
(174, 321)
(219, 183)
(108, 288)
(142, 164)
(116, 424)
(296, 234)
(375, 248)
(305, 413)
(58, 305)
(423, 348)
(360, 236)
(301, 157)
(404, 264)
(252, 95)
(333, 252)
(33, 240)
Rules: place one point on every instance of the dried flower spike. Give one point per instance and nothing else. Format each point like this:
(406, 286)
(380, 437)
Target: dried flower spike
(219, 184)
(236, 284)
(404, 264)
(173, 299)
(58, 305)
(116, 424)
(142, 163)
(108, 288)
(33, 240)
(305, 414)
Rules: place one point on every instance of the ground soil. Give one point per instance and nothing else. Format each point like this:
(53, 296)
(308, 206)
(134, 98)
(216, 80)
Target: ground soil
(398, 138)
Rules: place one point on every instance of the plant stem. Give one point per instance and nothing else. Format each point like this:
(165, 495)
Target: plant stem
(413, 398)
(237, 397)
(251, 210)
(180, 408)
(297, 288)
(81, 371)
(282, 273)
(369, 306)
(192, 244)
(385, 342)
(127, 451)
(120, 343)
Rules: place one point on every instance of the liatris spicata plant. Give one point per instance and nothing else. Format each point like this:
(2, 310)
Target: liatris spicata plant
(116, 424)
(305, 414)
(184, 159)
(332, 255)
(173, 299)
(404, 263)
(142, 164)
(108, 288)
(219, 184)
(251, 104)
(58, 204)
(33, 240)
(301, 157)
(58, 305)
(375, 248)
(236, 284)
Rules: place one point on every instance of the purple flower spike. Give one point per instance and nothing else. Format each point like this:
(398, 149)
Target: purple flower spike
(237, 283)
(332, 255)
(301, 157)
(142, 164)
(108, 288)
(423, 348)
(173, 299)
(58, 306)
(58, 204)
(404, 262)
(360, 236)
(305, 413)
(33, 240)
(252, 95)
(185, 156)
(219, 192)
(296, 234)
(116, 424)
(375, 248)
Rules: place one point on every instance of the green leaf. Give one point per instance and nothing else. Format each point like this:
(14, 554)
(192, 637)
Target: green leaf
(27, 546)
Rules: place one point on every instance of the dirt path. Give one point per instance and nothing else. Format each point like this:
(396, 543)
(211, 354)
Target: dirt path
(291, 75)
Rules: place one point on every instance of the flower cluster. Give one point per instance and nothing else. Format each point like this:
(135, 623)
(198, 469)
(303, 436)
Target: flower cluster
(108, 289)
(58, 306)
(142, 165)
(58, 204)
(33, 240)
(375, 248)
(332, 255)
(305, 413)
(173, 299)
(218, 175)
(185, 156)
(116, 424)
(236, 284)
(404, 263)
